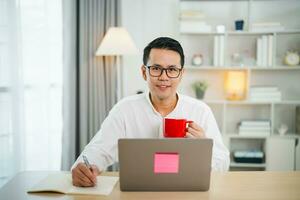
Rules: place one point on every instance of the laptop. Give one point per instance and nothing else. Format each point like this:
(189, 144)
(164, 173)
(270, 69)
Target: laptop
(165, 164)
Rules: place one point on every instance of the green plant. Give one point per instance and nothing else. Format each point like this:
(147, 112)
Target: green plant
(200, 85)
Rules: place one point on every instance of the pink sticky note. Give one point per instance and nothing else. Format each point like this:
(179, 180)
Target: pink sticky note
(166, 163)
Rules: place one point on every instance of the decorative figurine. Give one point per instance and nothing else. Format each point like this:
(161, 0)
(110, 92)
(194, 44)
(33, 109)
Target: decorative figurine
(197, 59)
(282, 129)
(291, 58)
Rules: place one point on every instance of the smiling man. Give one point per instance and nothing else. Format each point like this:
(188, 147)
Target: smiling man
(141, 116)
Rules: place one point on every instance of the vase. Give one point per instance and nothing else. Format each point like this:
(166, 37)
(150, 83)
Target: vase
(199, 93)
(239, 25)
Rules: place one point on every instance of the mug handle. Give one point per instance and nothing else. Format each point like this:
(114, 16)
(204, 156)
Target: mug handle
(188, 122)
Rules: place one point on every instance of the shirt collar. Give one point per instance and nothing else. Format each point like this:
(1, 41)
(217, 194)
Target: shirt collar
(147, 95)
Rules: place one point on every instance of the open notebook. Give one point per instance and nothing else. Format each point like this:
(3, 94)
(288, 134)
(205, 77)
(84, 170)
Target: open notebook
(62, 183)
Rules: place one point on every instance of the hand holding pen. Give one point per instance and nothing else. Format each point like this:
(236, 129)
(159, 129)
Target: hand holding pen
(85, 174)
(86, 162)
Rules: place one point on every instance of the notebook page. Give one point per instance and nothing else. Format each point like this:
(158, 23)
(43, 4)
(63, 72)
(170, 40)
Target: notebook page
(105, 185)
(57, 182)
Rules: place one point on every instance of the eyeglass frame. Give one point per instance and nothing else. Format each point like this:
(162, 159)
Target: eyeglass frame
(164, 69)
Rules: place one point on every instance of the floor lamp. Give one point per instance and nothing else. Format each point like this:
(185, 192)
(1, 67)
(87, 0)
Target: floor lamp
(117, 43)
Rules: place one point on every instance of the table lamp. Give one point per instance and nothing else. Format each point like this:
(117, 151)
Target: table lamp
(117, 42)
(235, 85)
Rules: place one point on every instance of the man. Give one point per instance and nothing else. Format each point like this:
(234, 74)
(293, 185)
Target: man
(141, 116)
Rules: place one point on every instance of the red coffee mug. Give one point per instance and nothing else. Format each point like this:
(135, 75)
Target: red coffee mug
(175, 127)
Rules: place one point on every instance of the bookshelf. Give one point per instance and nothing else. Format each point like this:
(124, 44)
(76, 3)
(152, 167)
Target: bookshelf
(229, 114)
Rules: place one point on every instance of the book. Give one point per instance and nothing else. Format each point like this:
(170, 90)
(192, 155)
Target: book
(256, 123)
(267, 27)
(254, 133)
(254, 128)
(266, 24)
(62, 183)
(255, 153)
(265, 96)
(265, 93)
(192, 15)
(264, 50)
(263, 89)
(258, 52)
(270, 50)
(265, 99)
(219, 50)
(216, 51)
(222, 47)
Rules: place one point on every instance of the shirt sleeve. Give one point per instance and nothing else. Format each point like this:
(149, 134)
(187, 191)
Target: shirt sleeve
(220, 154)
(102, 150)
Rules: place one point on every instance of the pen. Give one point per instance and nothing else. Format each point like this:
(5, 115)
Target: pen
(86, 162)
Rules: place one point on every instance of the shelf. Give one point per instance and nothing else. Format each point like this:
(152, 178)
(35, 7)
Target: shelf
(237, 102)
(214, 101)
(235, 135)
(288, 102)
(213, 68)
(251, 165)
(246, 102)
(288, 32)
(190, 67)
(202, 33)
(282, 67)
(296, 31)
(287, 135)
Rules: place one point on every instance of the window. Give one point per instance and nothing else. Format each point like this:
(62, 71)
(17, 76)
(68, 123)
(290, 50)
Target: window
(30, 86)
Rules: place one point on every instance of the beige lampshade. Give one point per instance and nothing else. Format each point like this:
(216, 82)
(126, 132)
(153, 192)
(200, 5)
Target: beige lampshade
(116, 41)
(235, 85)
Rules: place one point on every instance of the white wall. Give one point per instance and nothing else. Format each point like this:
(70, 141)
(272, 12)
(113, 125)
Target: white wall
(145, 20)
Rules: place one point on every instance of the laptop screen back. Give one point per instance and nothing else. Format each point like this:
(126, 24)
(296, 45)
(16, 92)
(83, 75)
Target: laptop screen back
(165, 164)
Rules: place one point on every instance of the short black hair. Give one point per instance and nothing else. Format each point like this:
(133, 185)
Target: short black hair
(164, 43)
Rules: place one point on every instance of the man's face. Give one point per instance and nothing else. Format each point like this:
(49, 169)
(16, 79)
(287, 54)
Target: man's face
(162, 87)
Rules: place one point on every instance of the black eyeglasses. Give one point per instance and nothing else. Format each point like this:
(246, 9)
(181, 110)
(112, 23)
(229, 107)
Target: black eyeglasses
(156, 71)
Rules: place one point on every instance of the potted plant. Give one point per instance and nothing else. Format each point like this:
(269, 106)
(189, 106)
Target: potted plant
(200, 88)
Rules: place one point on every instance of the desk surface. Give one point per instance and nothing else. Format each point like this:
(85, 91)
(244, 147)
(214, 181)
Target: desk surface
(229, 185)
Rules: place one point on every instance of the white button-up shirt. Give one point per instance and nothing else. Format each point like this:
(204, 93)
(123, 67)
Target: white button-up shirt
(135, 117)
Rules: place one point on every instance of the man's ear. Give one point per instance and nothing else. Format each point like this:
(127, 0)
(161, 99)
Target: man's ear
(182, 71)
(143, 70)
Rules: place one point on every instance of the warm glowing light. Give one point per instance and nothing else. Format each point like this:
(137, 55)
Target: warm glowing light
(235, 85)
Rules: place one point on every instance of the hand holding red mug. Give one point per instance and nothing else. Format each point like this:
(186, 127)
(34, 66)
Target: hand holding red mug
(176, 128)
(194, 131)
